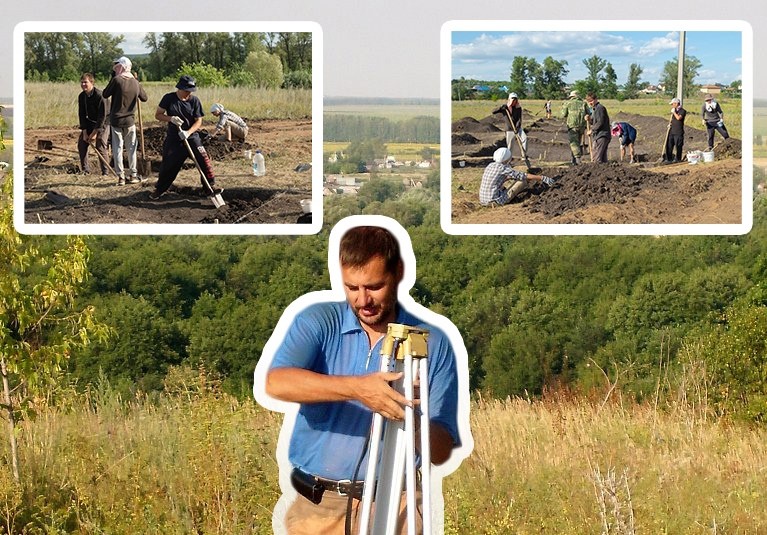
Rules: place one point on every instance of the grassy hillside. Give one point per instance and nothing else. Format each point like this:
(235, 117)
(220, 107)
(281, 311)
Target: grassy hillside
(194, 460)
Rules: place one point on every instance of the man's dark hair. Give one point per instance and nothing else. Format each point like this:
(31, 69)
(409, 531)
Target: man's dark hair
(360, 244)
(592, 95)
(87, 76)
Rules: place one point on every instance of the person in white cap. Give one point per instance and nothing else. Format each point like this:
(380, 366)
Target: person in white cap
(230, 123)
(493, 189)
(512, 113)
(713, 118)
(124, 90)
(574, 112)
(675, 132)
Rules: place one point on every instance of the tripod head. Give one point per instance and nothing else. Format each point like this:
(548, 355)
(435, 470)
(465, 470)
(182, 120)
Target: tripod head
(405, 340)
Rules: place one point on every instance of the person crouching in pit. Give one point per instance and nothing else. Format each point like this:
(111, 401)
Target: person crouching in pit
(493, 190)
(183, 113)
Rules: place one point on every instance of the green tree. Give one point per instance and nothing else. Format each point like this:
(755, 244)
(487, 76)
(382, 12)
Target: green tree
(266, 69)
(99, 51)
(609, 82)
(41, 323)
(633, 82)
(594, 66)
(520, 75)
(206, 75)
(550, 79)
(670, 75)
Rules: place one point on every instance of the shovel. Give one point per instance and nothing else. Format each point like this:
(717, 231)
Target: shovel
(144, 167)
(516, 135)
(93, 146)
(216, 198)
(665, 143)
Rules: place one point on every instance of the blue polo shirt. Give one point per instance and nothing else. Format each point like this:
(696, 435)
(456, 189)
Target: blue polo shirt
(328, 438)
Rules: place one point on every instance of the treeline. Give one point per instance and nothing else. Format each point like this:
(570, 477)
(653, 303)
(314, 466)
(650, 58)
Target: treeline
(342, 127)
(270, 59)
(546, 80)
(534, 312)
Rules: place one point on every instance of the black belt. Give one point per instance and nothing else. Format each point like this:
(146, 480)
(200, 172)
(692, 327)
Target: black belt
(312, 487)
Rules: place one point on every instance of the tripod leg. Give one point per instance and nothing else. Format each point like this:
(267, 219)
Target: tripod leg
(392, 471)
(425, 445)
(410, 483)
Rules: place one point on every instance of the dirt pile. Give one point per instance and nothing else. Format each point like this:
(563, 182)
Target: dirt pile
(56, 192)
(547, 140)
(591, 184)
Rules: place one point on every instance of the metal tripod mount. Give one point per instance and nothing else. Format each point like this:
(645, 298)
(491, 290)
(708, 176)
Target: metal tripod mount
(404, 349)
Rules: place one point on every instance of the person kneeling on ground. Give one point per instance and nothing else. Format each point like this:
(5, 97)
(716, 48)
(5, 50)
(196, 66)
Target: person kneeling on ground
(183, 113)
(492, 189)
(230, 123)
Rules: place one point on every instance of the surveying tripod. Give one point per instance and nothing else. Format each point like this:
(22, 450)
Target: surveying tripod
(403, 350)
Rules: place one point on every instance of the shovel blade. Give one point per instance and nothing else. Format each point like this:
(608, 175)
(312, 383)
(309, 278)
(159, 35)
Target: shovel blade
(217, 200)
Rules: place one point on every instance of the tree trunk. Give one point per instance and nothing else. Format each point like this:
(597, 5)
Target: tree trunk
(11, 420)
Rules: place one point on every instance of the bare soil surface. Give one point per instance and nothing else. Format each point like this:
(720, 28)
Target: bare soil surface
(56, 192)
(646, 192)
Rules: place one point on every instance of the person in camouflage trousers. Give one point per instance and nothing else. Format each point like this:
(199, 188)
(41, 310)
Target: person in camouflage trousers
(574, 113)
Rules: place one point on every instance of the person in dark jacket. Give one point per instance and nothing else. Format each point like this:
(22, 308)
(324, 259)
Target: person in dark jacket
(713, 118)
(512, 113)
(600, 128)
(125, 91)
(94, 129)
(627, 136)
(676, 132)
(183, 113)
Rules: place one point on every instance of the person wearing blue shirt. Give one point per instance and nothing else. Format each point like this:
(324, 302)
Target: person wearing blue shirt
(627, 136)
(329, 363)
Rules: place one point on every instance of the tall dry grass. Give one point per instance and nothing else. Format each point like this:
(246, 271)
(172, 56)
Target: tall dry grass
(196, 461)
(54, 104)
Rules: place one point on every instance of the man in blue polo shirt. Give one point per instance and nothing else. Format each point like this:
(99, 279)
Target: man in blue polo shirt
(329, 362)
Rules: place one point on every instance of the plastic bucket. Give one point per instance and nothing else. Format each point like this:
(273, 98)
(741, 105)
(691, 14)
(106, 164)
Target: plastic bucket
(693, 157)
(708, 156)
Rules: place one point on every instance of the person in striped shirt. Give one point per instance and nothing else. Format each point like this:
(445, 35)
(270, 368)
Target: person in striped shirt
(230, 123)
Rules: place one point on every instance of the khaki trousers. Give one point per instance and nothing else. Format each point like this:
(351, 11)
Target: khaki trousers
(329, 517)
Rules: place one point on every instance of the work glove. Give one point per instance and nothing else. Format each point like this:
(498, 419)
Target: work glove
(720, 124)
(548, 181)
(183, 134)
(178, 121)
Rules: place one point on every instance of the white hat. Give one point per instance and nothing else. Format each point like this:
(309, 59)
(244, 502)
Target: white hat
(502, 155)
(513, 95)
(675, 101)
(125, 62)
(573, 94)
(216, 107)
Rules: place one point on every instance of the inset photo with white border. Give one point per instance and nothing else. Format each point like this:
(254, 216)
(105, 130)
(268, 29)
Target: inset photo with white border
(210, 128)
(596, 127)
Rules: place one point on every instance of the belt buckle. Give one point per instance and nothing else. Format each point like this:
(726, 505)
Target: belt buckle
(342, 482)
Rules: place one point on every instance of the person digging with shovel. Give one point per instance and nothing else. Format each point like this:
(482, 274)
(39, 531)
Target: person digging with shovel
(492, 190)
(183, 112)
(512, 112)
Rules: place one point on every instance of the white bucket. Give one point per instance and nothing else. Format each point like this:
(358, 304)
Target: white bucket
(693, 157)
(708, 156)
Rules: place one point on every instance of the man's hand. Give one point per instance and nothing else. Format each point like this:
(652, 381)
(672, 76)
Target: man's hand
(375, 392)
(183, 134)
(178, 121)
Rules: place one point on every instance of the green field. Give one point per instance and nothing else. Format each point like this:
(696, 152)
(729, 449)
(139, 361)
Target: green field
(401, 151)
(51, 104)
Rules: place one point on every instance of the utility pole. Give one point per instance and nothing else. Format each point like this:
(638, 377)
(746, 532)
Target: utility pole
(680, 69)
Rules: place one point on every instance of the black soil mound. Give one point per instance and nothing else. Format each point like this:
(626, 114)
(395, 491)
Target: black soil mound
(591, 184)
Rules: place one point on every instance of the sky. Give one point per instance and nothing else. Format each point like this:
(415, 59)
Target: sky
(380, 49)
(488, 55)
